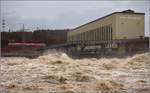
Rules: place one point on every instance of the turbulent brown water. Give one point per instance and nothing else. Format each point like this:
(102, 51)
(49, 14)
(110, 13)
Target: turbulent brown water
(57, 72)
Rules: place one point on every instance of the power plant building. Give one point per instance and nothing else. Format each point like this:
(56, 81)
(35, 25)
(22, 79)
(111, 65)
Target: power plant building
(118, 25)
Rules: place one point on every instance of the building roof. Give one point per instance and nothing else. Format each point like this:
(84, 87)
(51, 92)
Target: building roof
(126, 12)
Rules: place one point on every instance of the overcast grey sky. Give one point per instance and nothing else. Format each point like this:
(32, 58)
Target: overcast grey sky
(65, 14)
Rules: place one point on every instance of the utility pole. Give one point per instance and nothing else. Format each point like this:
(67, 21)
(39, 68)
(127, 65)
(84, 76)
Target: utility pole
(9, 30)
(37, 28)
(23, 28)
(3, 25)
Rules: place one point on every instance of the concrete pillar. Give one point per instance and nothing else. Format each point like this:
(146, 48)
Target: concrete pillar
(109, 50)
(103, 49)
(121, 49)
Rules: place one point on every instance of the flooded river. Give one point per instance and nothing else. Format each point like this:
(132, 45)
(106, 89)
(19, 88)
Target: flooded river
(57, 72)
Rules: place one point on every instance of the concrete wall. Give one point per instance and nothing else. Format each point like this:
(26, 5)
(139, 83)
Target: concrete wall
(110, 20)
(129, 25)
(124, 26)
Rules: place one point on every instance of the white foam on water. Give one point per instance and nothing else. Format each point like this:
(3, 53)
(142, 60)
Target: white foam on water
(57, 71)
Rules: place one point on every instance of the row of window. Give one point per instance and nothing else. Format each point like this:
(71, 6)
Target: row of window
(102, 33)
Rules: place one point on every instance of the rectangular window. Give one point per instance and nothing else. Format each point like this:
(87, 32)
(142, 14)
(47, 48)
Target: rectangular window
(106, 32)
(102, 33)
(96, 35)
(99, 35)
(110, 32)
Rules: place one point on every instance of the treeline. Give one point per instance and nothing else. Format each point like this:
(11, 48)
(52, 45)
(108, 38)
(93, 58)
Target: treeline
(49, 37)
